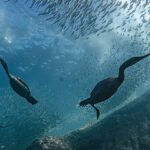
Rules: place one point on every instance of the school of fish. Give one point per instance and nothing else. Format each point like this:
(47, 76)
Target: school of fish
(82, 18)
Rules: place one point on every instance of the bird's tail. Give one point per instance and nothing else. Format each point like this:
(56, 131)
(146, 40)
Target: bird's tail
(84, 102)
(4, 66)
(31, 100)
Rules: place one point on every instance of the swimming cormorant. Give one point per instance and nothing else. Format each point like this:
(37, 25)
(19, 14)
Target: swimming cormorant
(19, 86)
(108, 87)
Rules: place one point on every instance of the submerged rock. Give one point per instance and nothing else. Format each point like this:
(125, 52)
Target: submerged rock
(50, 143)
(125, 129)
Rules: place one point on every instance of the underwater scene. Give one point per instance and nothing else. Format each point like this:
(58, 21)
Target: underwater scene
(74, 74)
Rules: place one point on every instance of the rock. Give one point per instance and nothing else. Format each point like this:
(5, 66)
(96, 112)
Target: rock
(50, 143)
(125, 129)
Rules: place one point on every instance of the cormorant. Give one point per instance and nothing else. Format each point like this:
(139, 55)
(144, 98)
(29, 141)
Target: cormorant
(108, 87)
(19, 86)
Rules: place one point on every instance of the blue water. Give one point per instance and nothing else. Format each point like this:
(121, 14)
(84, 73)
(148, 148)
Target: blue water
(62, 64)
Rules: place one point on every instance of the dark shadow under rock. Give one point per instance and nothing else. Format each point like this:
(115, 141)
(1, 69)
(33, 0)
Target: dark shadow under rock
(125, 129)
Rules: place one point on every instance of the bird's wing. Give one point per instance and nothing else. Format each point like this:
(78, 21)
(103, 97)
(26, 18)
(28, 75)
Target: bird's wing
(23, 83)
(101, 86)
(96, 89)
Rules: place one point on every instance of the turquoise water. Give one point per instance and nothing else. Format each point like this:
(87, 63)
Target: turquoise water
(61, 60)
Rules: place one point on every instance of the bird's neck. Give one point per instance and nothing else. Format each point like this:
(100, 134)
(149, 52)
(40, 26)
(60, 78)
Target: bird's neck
(7, 73)
(6, 70)
(121, 75)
